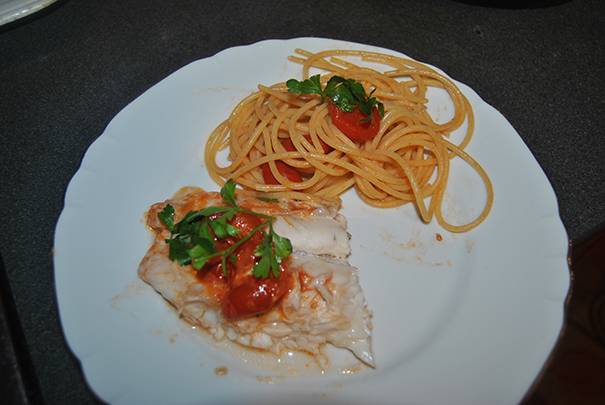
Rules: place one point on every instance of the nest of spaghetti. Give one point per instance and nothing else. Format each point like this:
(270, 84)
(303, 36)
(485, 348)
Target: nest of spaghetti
(273, 133)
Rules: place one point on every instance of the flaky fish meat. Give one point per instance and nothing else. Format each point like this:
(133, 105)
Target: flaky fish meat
(317, 300)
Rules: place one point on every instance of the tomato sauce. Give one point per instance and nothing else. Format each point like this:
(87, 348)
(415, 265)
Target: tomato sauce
(239, 293)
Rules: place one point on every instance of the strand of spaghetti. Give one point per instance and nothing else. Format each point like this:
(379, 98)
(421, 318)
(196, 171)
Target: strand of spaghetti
(371, 165)
(470, 126)
(300, 186)
(488, 188)
(337, 188)
(260, 107)
(395, 61)
(241, 117)
(411, 178)
(354, 151)
(322, 184)
(283, 179)
(343, 63)
(366, 188)
(452, 90)
(247, 146)
(324, 65)
(311, 58)
(407, 160)
(279, 94)
(302, 145)
(213, 145)
(441, 172)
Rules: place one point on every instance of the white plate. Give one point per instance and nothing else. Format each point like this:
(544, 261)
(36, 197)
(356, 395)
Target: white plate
(11, 10)
(470, 319)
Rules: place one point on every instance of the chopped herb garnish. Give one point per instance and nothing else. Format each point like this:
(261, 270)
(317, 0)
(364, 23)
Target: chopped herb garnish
(283, 246)
(272, 250)
(346, 94)
(311, 85)
(228, 193)
(192, 240)
(166, 216)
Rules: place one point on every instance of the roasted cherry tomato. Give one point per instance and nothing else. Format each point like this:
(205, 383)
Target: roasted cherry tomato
(285, 170)
(248, 299)
(255, 296)
(352, 125)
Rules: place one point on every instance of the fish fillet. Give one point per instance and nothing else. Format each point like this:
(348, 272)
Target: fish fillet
(325, 303)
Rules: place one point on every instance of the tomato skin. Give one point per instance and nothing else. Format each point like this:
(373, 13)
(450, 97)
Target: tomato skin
(285, 170)
(349, 123)
(245, 222)
(253, 296)
(247, 299)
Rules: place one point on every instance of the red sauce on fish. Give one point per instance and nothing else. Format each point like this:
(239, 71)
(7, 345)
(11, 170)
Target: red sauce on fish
(240, 294)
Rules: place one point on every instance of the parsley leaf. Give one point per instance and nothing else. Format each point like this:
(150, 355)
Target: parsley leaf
(203, 231)
(178, 251)
(200, 254)
(222, 228)
(272, 250)
(166, 216)
(193, 216)
(192, 239)
(311, 85)
(228, 193)
(261, 269)
(346, 94)
(332, 84)
(283, 246)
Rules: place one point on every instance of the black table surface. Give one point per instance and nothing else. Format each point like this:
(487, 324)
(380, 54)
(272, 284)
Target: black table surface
(66, 72)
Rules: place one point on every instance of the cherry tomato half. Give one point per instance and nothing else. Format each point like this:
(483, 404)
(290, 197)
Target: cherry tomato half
(351, 124)
(255, 296)
(285, 170)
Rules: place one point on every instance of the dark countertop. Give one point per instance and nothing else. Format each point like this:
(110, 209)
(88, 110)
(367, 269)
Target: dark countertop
(66, 72)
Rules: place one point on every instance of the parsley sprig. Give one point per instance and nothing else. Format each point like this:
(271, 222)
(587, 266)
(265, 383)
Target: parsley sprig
(346, 94)
(272, 250)
(192, 239)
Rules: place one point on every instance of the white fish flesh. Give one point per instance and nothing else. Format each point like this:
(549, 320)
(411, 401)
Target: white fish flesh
(324, 303)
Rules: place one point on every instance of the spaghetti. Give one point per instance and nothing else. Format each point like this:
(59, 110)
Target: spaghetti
(407, 161)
